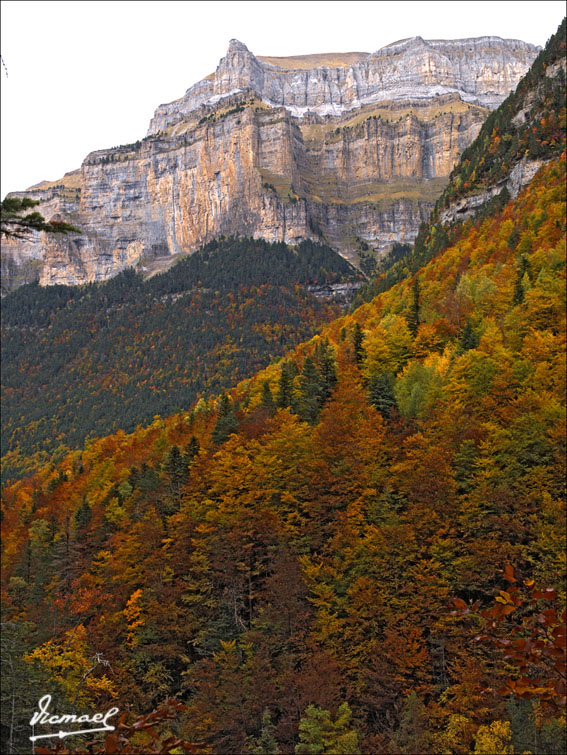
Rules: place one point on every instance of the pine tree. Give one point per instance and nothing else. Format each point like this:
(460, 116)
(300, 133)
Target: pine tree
(357, 344)
(413, 316)
(267, 400)
(468, 339)
(83, 518)
(14, 223)
(266, 743)
(327, 369)
(522, 280)
(310, 395)
(176, 470)
(381, 393)
(412, 735)
(226, 421)
(285, 386)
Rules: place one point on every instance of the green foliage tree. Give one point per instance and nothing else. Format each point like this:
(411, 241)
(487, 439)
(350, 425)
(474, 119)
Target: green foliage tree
(83, 518)
(226, 420)
(285, 395)
(357, 344)
(325, 358)
(412, 735)
(522, 271)
(23, 684)
(320, 735)
(191, 451)
(266, 743)
(267, 400)
(16, 224)
(413, 316)
(381, 393)
(309, 398)
(177, 471)
(468, 339)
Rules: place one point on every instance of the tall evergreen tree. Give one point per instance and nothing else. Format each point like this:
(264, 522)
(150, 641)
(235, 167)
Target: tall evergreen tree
(522, 271)
(381, 393)
(327, 368)
(468, 339)
(285, 386)
(226, 421)
(310, 394)
(357, 344)
(267, 400)
(413, 316)
(177, 471)
(412, 735)
(83, 518)
(319, 734)
(266, 743)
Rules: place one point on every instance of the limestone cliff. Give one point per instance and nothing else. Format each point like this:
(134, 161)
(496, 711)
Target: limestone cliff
(482, 71)
(377, 138)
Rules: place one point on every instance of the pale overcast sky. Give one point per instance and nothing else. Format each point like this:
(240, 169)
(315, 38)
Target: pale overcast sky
(88, 75)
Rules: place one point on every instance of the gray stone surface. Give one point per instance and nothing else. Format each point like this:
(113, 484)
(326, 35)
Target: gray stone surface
(483, 71)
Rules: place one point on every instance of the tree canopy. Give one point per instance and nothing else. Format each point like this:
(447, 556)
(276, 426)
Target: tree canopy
(16, 224)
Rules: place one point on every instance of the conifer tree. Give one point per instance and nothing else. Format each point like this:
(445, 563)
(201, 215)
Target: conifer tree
(327, 369)
(310, 394)
(267, 400)
(412, 735)
(413, 316)
(285, 386)
(357, 344)
(176, 470)
(83, 518)
(522, 271)
(14, 223)
(381, 393)
(468, 339)
(226, 421)
(266, 743)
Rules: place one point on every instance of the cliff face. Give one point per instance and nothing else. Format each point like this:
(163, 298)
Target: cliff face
(482, 71)
(222, 162)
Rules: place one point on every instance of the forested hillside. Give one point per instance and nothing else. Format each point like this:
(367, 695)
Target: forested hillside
(297, 547)
(80, 361)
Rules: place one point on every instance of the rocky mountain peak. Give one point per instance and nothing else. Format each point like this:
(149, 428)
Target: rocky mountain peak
(236, 46)
(481, 71)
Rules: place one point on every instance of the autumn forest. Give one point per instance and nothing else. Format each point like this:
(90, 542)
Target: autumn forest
(353, 543)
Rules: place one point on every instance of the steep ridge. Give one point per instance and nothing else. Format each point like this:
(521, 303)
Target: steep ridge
(233, 157)
(297, 547)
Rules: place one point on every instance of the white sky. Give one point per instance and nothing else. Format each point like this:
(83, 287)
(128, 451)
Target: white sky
(88, 75)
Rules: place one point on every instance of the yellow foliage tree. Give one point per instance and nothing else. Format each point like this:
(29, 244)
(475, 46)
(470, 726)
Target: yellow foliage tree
(494, 739)
(71, 665)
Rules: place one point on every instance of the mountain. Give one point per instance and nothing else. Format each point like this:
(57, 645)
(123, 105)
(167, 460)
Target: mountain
(349, 149)
(358, 550)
